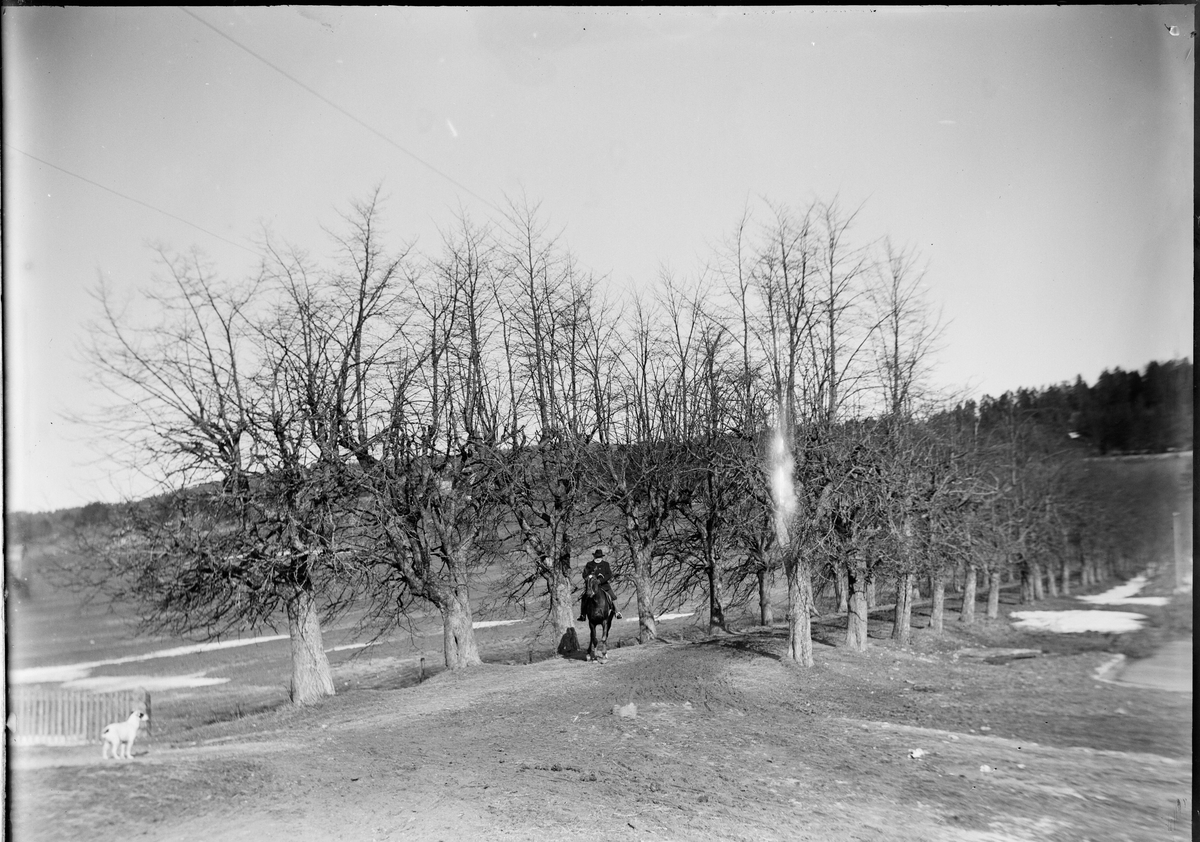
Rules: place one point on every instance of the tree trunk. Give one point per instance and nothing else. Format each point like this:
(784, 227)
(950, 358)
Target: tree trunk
(1035, 577)
(1051, 584)
(1066, 575)
(640, 574)
(765, 613)
(902, 623)
(1027, 594)
(458, 635)
(937, 616)
(716, 614)
(799, 579)
(993, 610)
(562, 608)
(967, 612)
(857, 614)
(841, 585)
(870, 590)
(312, 679)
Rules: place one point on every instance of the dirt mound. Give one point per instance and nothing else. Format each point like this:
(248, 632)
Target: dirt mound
(714, 676)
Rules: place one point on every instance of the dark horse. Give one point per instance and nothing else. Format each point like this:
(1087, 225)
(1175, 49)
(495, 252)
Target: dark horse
(600, 612)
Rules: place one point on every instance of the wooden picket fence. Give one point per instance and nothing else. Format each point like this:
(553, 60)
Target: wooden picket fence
(49, 717)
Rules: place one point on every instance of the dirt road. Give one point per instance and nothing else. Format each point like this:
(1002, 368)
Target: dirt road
(1168, 669)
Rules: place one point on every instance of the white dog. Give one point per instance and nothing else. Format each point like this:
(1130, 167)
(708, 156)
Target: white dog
(121, 734)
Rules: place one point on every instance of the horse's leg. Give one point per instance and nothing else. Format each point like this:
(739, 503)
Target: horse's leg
(604, 639)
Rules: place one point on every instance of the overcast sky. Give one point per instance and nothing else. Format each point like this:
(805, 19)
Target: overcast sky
(1039, 157)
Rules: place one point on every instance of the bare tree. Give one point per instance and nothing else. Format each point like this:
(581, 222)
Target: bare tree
(753, 521)
(844, 330)
(248, 526)
(905, 332)
(555, 348)
(641, 476)
(704, 388)
(428, 493)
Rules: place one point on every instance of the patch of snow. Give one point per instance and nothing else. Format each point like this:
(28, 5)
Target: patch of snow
(487, 624)
(110, 683)
(49, 675)
(1124, 595)
(662, 617)
(346, 646)
(194, 648)
(1073, 622)
(68, 672)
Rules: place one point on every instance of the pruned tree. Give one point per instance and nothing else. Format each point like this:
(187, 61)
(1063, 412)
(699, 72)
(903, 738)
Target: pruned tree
(752, 404)
(640, 476)
(706, 396)
(427, 496)
(249, 524)
(786, 274)
(556, 336)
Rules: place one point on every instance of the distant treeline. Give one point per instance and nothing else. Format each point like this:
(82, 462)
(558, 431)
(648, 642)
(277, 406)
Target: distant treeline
(1122, 412)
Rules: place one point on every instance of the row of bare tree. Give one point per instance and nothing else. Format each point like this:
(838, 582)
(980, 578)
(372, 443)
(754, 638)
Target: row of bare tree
(378, 433)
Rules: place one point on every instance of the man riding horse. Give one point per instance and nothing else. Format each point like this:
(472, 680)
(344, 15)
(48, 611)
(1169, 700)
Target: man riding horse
(599, 568)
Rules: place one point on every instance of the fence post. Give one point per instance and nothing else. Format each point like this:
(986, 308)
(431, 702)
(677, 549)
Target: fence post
(149, 718)
(1177, 527)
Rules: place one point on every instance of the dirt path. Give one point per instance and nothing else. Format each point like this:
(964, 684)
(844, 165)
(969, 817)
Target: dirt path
(727, 743)
(1168, 669)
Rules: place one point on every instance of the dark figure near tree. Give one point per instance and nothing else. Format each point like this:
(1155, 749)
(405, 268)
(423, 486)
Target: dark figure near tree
(599, 608)
(600, 569)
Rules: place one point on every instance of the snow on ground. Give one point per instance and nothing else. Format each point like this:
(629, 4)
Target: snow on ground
(156, 683)
(487, 624)
(346, 646)
(73, 672)
(51, 675)
(79, 676)
(660, 618)
(1073, 622)
(1124, 595)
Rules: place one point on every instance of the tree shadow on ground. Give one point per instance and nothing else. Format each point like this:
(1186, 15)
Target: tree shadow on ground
(241, 710)
(754, 643)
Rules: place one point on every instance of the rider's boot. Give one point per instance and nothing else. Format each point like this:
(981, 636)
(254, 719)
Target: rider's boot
(613, 599)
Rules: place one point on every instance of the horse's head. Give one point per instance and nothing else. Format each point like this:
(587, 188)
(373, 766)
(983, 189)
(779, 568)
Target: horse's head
(591, 584)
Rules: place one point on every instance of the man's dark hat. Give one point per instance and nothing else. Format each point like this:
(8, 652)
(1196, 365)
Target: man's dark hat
(598, 554)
